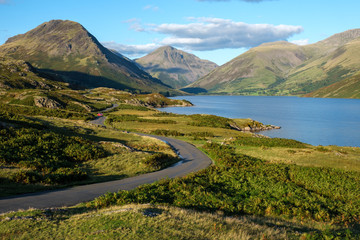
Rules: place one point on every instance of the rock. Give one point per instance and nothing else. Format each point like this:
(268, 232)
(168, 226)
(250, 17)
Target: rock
(46, 102)
(247, 128)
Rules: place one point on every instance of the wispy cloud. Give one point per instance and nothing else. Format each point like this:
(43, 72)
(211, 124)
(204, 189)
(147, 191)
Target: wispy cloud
(131, 50)
(151, 7)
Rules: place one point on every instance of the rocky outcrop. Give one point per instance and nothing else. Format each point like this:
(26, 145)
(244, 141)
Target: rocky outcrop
(254, 126)
(46, 102)
(259, 128)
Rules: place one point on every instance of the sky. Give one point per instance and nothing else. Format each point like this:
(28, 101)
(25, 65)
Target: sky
(216, 30)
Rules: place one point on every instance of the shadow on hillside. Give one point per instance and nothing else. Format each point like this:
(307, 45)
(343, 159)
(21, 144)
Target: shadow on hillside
(79, 80)
(195, 90)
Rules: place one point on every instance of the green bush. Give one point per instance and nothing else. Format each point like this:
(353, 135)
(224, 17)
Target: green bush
(53, 158)
(158, 161)
(210, 121)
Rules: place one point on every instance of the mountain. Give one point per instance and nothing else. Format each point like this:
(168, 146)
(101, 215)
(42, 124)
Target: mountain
(174, 67)
(282, 68)
(68, 52)
(259, 68)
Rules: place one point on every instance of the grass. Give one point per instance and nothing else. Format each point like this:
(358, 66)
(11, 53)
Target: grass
(345, 158)
(147, 222)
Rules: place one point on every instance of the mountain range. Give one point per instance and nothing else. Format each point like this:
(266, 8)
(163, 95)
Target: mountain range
(283, 68)
(66, 51)
(174, 67)
(61, 51)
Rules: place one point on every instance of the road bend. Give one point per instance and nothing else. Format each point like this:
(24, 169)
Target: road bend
(193, 160)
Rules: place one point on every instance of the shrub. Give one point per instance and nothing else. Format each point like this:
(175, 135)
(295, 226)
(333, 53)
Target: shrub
(158, 161)
(51, 157)
(210, 121)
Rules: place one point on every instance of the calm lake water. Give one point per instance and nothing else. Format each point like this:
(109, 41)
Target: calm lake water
(318, 121)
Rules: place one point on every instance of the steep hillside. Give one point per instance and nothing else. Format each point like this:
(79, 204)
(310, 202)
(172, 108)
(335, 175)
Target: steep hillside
(348, 88)
(282, 68)
(258, 69)
(175, 67)
(66, 50)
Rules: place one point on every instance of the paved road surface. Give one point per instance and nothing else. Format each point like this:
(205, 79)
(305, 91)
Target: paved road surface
(193, 160)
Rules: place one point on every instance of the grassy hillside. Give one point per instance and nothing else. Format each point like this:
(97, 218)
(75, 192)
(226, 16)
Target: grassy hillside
(261, 68)
(18, 74)
(348, 88)
(336, 66)
(287, 69)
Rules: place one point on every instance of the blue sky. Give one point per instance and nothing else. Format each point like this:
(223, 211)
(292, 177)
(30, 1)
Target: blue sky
(217, 30)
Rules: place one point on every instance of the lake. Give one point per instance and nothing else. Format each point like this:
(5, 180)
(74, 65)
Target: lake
(317, 121)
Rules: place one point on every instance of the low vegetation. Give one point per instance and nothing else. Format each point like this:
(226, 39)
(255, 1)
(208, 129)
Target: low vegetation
(240, 184)
(258, 187)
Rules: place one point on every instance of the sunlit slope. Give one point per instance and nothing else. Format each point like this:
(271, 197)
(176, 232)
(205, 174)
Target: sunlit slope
(282, 68)
(258, 69)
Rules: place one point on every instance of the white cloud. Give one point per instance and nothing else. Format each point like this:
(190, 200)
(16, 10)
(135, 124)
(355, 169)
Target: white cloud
(135, 24)
(301, 42)
(215, 33)
(131, 50)
(206, 34)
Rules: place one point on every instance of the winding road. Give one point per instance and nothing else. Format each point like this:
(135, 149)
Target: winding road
(192, 160)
